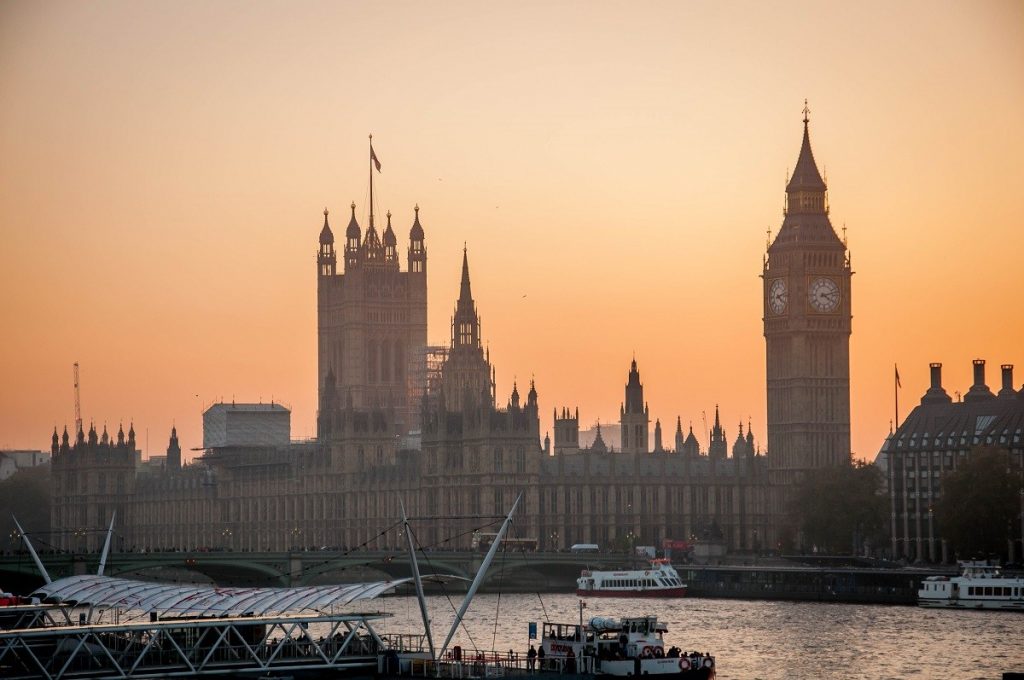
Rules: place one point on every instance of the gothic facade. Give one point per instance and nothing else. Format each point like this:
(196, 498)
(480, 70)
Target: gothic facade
(807, 326)
(469, 455)
(372, 320)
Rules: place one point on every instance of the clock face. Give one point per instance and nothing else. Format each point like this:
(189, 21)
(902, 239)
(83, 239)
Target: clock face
(823, 294)
(777, 296)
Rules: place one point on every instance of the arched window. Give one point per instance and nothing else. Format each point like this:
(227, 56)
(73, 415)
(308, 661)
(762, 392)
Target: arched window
(371, 361)
(399, 360)
(385, 361)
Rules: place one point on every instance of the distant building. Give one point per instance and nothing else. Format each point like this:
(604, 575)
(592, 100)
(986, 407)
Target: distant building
(234, 425)
(935, 437)
(91, 478)
(13, 460)
(372, 320)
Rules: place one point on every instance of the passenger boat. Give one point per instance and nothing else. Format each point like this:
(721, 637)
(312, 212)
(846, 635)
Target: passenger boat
(979, 586)
(619, 648)
(658, 580)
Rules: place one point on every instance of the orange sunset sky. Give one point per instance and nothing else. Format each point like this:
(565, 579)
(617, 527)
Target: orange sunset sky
(613, 168)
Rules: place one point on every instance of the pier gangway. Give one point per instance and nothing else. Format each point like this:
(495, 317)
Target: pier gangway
(251, 645)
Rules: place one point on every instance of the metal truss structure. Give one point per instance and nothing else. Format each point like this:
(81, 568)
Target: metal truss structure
(193, 647)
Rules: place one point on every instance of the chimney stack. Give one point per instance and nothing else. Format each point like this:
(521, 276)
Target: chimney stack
(979, 390)
(1007, 390)
(936, 394)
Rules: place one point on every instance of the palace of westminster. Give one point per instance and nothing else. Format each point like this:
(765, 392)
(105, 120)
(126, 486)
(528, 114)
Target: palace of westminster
(399, 420)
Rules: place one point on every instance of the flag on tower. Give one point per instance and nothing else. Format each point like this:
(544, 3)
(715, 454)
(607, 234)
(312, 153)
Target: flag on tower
(373, 157)
(897, 375)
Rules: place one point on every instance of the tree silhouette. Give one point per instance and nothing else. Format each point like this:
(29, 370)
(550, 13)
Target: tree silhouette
(979, 504)
(839, 508)
(26, 494)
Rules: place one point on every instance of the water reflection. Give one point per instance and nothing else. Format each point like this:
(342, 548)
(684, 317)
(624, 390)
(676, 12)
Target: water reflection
(760, 639)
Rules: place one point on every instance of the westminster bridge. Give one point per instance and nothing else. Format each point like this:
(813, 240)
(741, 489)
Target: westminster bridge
(516, 570)
(785, 578)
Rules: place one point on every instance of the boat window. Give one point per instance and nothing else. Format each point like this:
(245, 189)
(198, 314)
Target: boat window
(988, 590)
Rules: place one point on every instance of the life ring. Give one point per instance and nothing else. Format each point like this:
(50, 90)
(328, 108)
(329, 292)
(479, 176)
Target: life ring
(684, 664)
(709, 662)
(647, 573)
(659, 652)
(646, 653)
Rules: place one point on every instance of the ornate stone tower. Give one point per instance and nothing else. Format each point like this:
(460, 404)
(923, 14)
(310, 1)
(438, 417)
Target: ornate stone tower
(807, 331)
(634, 417)
(372, 321)
(467, 377)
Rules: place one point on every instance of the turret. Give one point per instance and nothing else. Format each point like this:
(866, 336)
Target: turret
(131, 436)
(390, 244)
(531, 396)
(173, 451)
(679, 434)
(353, 256)
(657, 437)
(718, 448)
(54, 443)
(326, 260)
(417, 249)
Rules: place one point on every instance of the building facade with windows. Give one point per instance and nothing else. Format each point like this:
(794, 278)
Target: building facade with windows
(399, 420)
(933, 440)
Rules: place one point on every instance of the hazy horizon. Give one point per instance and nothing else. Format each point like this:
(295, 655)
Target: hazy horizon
(613, 169)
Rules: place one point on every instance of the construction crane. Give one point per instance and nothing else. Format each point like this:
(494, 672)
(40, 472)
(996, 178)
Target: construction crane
(78, 404)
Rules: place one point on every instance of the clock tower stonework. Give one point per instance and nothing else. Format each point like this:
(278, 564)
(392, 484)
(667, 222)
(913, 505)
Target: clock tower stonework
(807, 323)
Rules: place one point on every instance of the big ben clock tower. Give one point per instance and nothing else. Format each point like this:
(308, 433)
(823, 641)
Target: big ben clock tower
(807, 332)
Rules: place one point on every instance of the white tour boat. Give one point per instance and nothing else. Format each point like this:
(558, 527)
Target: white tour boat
(979, 586)
(658, 580)
(630, 647)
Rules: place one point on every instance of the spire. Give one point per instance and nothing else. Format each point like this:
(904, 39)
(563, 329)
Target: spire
(353, 230)
(389, 234)
(326, 235)
(465, 294)
(416, 233)
(805, 175)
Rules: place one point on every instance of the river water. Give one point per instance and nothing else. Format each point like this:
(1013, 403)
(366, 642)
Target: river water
(754, 639)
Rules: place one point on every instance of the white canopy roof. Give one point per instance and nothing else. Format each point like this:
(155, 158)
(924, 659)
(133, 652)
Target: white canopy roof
(179, 600)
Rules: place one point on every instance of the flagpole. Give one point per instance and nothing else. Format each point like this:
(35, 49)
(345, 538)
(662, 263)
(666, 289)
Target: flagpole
(896, 392)
(371, 181)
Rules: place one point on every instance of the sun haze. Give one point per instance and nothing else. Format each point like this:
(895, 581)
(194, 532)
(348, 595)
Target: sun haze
(614, 169)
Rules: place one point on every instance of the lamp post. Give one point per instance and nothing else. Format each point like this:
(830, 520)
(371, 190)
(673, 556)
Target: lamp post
(931, 534)
(554, 541)
(79, 534)
(226, 534)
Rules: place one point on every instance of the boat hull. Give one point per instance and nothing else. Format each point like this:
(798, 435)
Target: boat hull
(646, 592)
(666, 668)
(966, 603)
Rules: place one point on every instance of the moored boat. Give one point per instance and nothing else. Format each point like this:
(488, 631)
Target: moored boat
(658, 580)
(632, 646)
(979, 586)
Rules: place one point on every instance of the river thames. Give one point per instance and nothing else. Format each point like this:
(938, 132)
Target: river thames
(755, 639)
